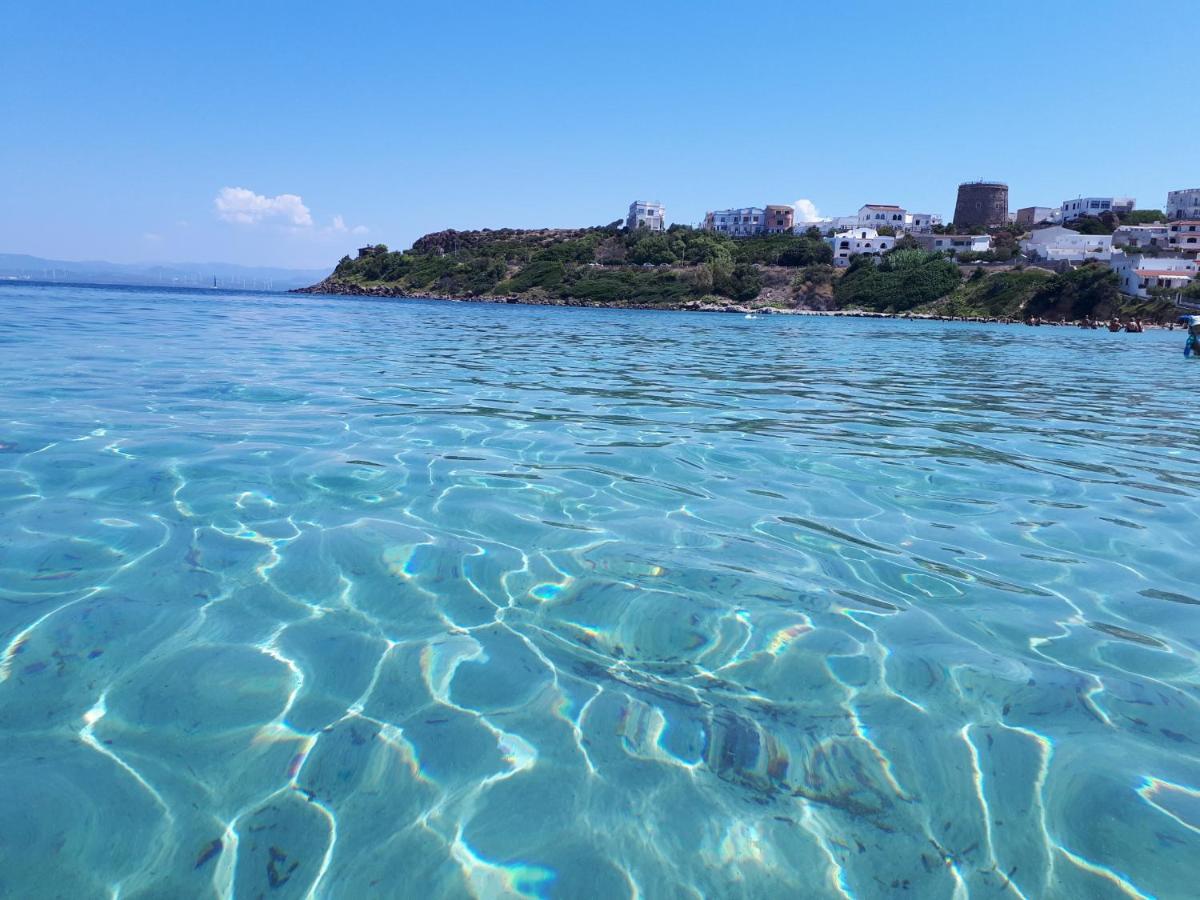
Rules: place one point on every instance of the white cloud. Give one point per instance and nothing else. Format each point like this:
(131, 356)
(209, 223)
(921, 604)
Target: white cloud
(806, 211)
(339, 227)
(241, 205)
(152, 237)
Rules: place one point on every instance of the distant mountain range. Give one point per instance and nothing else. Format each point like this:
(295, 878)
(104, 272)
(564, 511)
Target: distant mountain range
(20, 267)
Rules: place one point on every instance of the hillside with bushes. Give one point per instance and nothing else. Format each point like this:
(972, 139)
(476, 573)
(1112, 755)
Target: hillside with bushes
(686, 268)
(606, 266)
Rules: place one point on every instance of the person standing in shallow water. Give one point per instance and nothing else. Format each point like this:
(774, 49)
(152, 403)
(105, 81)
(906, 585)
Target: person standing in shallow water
(1192, 344)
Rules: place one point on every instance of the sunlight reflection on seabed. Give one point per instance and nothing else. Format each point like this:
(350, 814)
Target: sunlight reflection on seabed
(399, 599)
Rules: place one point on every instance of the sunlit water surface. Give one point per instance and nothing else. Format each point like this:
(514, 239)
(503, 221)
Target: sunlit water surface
(312, 596)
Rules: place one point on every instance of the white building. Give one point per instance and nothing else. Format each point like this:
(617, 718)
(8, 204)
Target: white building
(1183, 204)
(1056, 243)
(920, 223)
(644, 214)
(1184, 235)
(1138, 275)
(741, 222)
(1140, 236)
(859, 242)
(1035, 215)
(825, 226)
(877, 215)
(1094, 206)
(955, 243)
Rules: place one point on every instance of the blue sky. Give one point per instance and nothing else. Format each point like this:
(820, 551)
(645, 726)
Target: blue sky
(124, 121)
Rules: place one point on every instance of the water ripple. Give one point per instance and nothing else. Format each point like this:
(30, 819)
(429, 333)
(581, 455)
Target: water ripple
(313, 597)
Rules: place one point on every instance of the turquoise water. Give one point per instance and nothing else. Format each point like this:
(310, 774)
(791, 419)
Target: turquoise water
(303, 596)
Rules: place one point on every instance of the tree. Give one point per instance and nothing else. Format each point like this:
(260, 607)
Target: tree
(652, 248)
(739, 282)
(903, 279)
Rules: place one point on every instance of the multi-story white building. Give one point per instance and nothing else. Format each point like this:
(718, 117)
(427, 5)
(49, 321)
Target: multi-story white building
(1094, 206)
(1183, 204)
(644, 214)
(955, 243)
(859, 242)
(742, 222)
(1138, 275)
(878, 215)
(1184, 235)
(1057, 243)
(1141, 236)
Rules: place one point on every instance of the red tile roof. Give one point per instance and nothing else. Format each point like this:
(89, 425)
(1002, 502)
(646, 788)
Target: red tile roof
(1164, 273)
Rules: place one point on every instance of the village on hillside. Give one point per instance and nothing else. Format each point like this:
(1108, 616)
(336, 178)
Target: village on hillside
(1152, 251)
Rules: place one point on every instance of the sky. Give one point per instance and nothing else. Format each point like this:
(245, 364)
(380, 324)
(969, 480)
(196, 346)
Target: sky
(290, 133)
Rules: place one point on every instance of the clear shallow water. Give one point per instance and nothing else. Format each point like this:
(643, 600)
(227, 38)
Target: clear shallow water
(344, 598)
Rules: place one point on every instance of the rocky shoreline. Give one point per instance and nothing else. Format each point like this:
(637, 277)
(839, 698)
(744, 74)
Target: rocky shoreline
(337, 288)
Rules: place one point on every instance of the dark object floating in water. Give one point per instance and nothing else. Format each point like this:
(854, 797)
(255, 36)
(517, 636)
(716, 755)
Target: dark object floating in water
(211, 849)
(868, 601)
(1156, 594)
(1126, 635)
(364, 462)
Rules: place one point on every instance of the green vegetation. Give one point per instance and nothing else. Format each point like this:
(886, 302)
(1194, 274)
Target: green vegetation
(1143, 217)
(611, 266)
(901, 281)
(999, 295)
(607, 265)
(1105, 223)
(1090, 290)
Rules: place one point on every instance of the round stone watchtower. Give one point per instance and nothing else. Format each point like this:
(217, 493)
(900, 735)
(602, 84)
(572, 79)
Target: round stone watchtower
(981, 203)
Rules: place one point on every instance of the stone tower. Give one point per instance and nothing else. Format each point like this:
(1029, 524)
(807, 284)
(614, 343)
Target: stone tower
(982, 203)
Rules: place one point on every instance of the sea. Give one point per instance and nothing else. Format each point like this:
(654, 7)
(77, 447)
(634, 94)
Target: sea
(308, 596)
